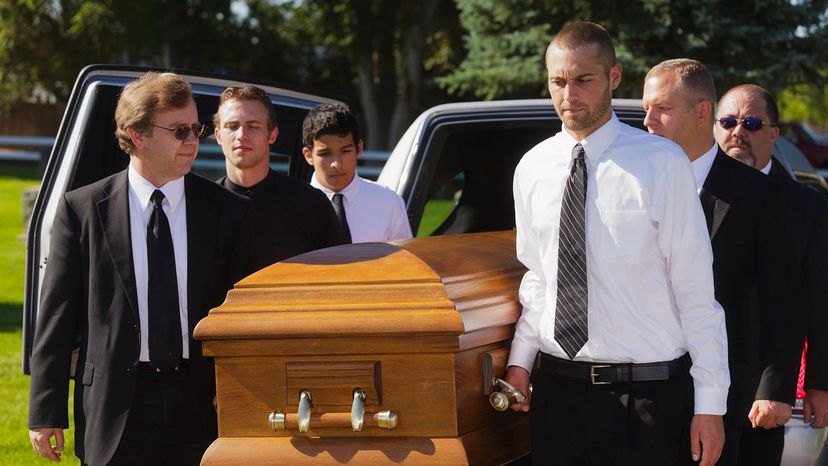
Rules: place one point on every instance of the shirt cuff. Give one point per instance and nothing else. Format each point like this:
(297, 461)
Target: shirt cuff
(522, 355)
(710, 400)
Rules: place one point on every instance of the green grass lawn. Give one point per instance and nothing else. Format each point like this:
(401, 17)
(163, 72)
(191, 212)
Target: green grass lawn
(435, 212)
(14, 386)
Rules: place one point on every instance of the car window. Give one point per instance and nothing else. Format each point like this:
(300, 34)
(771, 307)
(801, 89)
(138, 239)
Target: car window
(441, 204)
(468, 182)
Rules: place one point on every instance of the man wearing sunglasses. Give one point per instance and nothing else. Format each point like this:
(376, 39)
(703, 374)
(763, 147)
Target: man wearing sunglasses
(749, 251)
(136, 260)
(746, 128)
(291, 217)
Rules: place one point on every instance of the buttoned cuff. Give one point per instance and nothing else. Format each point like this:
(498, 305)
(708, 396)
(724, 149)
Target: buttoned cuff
(522, 355)
(710, 400)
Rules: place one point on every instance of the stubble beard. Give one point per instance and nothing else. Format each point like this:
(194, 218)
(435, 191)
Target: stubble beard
(592, 116)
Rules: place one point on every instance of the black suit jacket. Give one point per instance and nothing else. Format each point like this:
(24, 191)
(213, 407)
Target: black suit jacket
(750, 260)
(291, 217)
(89, 292)
(809, 212)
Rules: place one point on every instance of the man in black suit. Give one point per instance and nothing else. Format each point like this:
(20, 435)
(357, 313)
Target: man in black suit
(747, 127)
(749, 252)
(290, 216)
(136, 260)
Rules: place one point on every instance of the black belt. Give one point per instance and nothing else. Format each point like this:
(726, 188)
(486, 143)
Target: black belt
(146, 368)
(600, 374)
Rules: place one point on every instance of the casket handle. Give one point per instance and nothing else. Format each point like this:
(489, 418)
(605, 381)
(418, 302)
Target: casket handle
(358, 410)
(302, 419)
(505, 394)
(304, 414)
(382, 420)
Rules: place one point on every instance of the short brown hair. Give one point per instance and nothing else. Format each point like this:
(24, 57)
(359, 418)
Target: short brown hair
(141, 99)
(691, 75)
(580, 33)
(246, 92)
(770, 101)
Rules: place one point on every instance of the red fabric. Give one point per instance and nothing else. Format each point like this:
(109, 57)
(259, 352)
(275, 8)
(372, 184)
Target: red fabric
(800, 389)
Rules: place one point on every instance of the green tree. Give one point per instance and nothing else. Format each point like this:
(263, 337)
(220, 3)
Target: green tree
(770, 42)
(388, 51)
(385, 52)
(805, 102)
(44, 43)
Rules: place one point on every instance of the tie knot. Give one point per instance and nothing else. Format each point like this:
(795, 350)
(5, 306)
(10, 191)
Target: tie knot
(157, 197)
(338, 198)
(578, 152)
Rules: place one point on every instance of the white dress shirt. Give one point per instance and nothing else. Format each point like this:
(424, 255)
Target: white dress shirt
(649, 259)
(374, 212)
(702, 165)
(175, 208)
(767, 168)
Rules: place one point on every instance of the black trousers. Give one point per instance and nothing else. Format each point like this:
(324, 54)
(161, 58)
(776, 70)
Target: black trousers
(761, 447)
(632, 423)
(164, 425)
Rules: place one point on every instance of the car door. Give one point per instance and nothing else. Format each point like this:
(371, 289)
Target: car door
(85, 150)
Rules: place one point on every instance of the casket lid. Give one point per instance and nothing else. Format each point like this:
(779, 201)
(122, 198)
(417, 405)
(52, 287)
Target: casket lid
(419, 286)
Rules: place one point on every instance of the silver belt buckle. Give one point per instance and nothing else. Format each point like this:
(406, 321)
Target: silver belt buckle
(592, 374)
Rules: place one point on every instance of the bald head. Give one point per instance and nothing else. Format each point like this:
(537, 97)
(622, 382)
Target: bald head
(758, 92)
(753, 144)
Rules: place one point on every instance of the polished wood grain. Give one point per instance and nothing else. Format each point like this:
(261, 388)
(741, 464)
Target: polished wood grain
(337, 451)
(407, 321)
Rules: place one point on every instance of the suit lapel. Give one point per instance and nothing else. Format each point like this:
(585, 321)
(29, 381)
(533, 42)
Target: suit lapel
(201, 238)
(113, 213)
(716, 194)
(778, 173)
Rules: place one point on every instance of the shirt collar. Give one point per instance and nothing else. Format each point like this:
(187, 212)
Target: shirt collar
(349, 192)
(702, 165)
(596, 144)
(767, 168)
(254, 191)
(143, 189)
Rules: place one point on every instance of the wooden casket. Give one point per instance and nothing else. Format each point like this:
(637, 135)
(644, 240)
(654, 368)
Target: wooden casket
(376, 353)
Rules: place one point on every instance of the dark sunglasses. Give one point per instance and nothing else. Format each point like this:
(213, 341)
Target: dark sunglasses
(750, 124)
(181, 133)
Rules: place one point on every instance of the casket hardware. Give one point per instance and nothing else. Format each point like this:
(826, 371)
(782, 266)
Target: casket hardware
(504, 395)
(386, 419)
(304, 414)
(355, 419)
(358, 410)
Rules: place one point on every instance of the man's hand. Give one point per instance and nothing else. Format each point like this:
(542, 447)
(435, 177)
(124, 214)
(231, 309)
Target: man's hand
(706, 438)
(769, 414)
(519, 378)
(41, 439)
(816, 407)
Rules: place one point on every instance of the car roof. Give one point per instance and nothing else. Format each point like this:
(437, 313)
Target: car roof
(513, 104)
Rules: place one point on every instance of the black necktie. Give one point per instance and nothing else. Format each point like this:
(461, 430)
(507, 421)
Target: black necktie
(571, 310)
(339, 207)
(165, 346)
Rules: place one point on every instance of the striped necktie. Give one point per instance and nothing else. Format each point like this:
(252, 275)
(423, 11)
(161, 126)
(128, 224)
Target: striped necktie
(571, 309)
